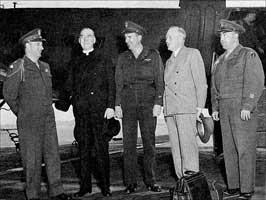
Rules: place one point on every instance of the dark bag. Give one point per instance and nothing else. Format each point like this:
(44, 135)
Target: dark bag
(192, 186)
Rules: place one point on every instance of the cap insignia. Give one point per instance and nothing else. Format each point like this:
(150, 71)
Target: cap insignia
(253, 54)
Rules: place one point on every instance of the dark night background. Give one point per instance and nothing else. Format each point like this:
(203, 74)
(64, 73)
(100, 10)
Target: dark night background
(60, 27)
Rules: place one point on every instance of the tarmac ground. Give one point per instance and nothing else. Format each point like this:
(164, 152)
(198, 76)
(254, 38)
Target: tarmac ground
(12, 183)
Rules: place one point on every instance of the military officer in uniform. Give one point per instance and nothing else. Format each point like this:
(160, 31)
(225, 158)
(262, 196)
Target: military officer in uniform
(237, 84)
(28, 92)
(184, 97)
(139, 90)
(91, 86)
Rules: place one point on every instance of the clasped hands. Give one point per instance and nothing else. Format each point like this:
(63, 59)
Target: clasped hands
(155, 112)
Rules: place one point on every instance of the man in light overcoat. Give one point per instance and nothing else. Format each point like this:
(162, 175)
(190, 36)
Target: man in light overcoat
(184, 97)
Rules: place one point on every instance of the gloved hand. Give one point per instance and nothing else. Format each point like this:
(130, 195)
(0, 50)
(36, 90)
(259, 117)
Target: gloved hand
(109, 113)
(245, 115)
(215, 116)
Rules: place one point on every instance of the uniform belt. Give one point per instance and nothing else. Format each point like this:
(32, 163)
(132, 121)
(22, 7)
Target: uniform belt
(139, 85)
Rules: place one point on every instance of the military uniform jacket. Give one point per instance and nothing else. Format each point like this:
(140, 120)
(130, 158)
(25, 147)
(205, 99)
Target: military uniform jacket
(139, 80)
(239, 76)
(91, 83)
(28, 89)
(185, 82)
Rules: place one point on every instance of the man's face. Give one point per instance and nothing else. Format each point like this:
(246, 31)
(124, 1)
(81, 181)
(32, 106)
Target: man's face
(87, 39)
(35, 49)
(228, 39)
(132, 40)
(174, 39)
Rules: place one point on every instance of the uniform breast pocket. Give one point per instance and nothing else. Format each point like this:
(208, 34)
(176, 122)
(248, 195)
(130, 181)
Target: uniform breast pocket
(147, 69)
(33, 83)
(235, 72)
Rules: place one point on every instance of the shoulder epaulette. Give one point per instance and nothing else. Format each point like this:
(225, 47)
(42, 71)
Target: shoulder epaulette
(251, 52)
(125, 54)
(15, 67)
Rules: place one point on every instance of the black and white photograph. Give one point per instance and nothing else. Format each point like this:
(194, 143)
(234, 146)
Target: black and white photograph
(134, 99)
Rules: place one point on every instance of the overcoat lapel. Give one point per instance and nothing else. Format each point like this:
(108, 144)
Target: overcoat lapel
(175, 64)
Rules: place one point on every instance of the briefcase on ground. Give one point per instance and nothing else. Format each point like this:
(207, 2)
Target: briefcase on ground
(192, 186)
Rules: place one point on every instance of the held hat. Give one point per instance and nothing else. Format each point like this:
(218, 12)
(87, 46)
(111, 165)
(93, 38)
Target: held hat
(131, 27)
(230, 26)
(205, 128)
(62, 104)
(32, 36)
(111, 128)
(62, 100)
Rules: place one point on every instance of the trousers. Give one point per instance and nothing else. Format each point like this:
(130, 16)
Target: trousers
(239, 145)
(182, 135)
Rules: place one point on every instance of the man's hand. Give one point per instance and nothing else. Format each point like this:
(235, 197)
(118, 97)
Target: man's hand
(118, 112)
(245, 115)
(109, 113)
(215, 116)
(156, 110)
(199, 111)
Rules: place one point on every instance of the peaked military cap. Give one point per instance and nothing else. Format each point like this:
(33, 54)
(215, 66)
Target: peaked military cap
(32, 36)
(131, 27)
(230, 26)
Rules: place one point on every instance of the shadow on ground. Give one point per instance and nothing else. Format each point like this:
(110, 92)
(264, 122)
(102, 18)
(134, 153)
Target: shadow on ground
(11, 181)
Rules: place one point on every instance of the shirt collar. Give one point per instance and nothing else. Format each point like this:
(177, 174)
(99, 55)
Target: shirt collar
(176, 52)
(88, 51)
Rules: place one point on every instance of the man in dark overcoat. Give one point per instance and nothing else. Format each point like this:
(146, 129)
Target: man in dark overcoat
(139, 91)
(28, 92)
(91, 86)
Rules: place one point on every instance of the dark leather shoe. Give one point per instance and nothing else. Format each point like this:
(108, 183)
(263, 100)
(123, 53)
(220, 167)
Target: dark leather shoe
(80, 193)
(154, 188)
(131, 188)
(62, 196)
(245, 196)
(107, 193)
(231, 193)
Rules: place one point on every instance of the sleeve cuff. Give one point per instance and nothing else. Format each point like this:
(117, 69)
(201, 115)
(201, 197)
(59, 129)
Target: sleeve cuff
(247, 106)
